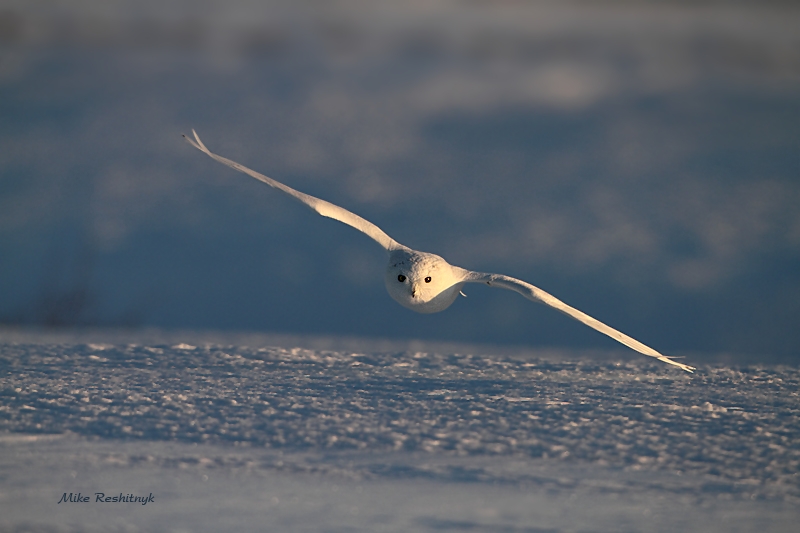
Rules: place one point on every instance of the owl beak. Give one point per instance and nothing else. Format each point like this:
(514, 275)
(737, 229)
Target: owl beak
(413, 291)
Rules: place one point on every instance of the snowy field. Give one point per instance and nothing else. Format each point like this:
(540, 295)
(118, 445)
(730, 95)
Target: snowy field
(637, 159)
(242, 435)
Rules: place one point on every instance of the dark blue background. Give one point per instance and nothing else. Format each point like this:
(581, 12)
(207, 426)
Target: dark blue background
(639, 162)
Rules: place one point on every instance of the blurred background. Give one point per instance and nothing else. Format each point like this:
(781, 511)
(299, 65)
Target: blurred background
(638, 159)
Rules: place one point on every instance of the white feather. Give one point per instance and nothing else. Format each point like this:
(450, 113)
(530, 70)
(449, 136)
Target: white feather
(425, 282)
(322, 207)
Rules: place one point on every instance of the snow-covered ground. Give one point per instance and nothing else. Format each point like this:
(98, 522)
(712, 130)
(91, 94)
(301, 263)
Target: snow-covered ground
(637, 159)
(251, 437)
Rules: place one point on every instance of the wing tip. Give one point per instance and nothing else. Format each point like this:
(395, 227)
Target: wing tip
(196, 142)
(688, 368)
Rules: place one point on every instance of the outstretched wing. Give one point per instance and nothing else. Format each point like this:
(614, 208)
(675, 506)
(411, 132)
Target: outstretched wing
(538, 295)
(322, 207)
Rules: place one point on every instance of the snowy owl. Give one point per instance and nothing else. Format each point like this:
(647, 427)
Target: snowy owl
(425, 282)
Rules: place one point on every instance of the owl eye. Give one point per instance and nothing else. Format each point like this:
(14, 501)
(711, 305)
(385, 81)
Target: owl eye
(401, 278)
(428, 279)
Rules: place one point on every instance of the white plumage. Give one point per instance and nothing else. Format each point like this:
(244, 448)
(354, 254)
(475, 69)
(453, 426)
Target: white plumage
(425, 282)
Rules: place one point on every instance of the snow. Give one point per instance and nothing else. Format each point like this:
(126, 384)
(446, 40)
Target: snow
(287, 438)
(644, 167)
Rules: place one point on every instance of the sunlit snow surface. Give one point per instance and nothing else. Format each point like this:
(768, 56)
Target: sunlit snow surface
(289, 439)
